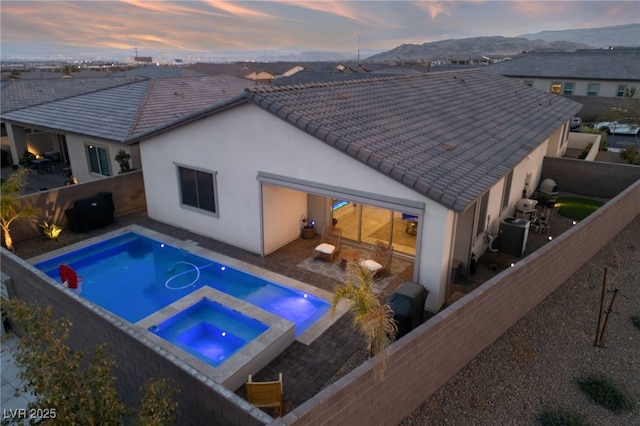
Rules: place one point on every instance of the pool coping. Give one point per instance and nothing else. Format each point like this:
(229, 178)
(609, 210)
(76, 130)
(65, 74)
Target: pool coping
(306, 338)
(233, 372)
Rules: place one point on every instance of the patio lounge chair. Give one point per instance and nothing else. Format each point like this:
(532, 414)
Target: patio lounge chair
(265, 394)
(379, 262)
(329, 246)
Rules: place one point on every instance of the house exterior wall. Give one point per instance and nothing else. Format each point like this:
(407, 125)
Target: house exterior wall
(282, 210)
(79, 159)
(608, 89)
(558, 141)
(531, 165)
(239, 143)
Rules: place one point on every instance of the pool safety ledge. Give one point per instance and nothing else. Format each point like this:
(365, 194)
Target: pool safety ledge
(233, 372)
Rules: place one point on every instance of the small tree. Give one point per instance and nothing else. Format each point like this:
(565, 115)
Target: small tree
(80, 390)
(11, 208)
(373, 319)
(123, 157)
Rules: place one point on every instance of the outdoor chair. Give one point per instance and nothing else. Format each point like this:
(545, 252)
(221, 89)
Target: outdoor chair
(379, 262)
(329, 246)
(265, 394)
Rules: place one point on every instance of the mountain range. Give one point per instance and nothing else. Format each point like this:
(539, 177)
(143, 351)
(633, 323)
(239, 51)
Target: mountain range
(566, 41)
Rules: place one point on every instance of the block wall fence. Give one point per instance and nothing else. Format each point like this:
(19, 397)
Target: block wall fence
(128, 197)
(424, 360)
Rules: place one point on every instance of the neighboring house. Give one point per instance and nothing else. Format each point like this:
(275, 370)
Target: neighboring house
(89, 129)
(584, 73)
(20, 94)
(452, 152)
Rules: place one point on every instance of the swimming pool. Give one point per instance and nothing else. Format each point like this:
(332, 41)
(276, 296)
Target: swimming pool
(133, 276)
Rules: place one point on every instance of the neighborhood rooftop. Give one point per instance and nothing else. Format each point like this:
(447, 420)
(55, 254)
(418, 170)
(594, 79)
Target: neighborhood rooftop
(449, 136)
(618, 65)
(123, 112)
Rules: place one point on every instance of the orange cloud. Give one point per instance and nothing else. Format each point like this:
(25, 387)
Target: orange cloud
(434, 8)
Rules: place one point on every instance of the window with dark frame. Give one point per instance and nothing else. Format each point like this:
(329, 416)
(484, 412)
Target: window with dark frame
(198, 189)
(99, 160)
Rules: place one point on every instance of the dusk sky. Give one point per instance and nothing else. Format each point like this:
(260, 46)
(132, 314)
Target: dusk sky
(189, 29)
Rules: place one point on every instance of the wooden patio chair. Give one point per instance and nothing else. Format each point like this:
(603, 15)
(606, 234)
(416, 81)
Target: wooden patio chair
(329, 246)
(379, 262)
(265, 394)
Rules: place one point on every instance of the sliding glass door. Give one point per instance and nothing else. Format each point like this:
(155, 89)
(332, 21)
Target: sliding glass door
(364, 223)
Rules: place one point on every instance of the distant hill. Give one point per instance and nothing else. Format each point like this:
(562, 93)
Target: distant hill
(471, 48)
(620, 35)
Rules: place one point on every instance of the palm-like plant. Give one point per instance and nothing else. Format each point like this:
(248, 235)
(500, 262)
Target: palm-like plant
(373, 318)
(10, 207)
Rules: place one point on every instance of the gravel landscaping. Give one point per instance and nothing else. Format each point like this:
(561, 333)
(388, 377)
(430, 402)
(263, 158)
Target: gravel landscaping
(535, 366)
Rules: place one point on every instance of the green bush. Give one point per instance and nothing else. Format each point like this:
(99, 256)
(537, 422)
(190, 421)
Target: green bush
(636, 320)
(562, 418)
(630, 155)
(604, 392)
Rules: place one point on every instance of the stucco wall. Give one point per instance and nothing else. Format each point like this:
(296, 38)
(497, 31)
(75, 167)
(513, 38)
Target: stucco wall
(239, 143)
(79, 160)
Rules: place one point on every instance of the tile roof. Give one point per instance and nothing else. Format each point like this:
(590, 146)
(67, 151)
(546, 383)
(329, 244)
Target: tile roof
(450, 136)
(18, 94)
(617, 65)
(130, 111)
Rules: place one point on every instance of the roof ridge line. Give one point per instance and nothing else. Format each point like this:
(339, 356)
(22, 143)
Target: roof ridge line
(136, 119)
(270, 89)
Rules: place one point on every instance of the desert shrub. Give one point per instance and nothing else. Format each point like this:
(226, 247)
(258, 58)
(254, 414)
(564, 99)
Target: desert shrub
(635, 319)
(604, 392)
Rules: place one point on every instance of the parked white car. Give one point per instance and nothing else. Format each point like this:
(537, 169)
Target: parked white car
(628, 126)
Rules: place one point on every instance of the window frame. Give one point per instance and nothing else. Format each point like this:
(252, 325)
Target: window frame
(100, 161)
(622, 89)
(591, 92)
(566, 90)
(198, 175)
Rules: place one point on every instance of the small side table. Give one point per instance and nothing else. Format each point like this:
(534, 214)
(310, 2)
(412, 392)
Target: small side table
(308, 232)
(346, 256)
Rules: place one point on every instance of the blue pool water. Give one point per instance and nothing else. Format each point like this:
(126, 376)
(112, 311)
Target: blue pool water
(133, 276)
(209, 331)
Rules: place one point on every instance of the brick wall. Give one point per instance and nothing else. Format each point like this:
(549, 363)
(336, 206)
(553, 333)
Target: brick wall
(426, 359)
(201, 401)
(128, 197)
